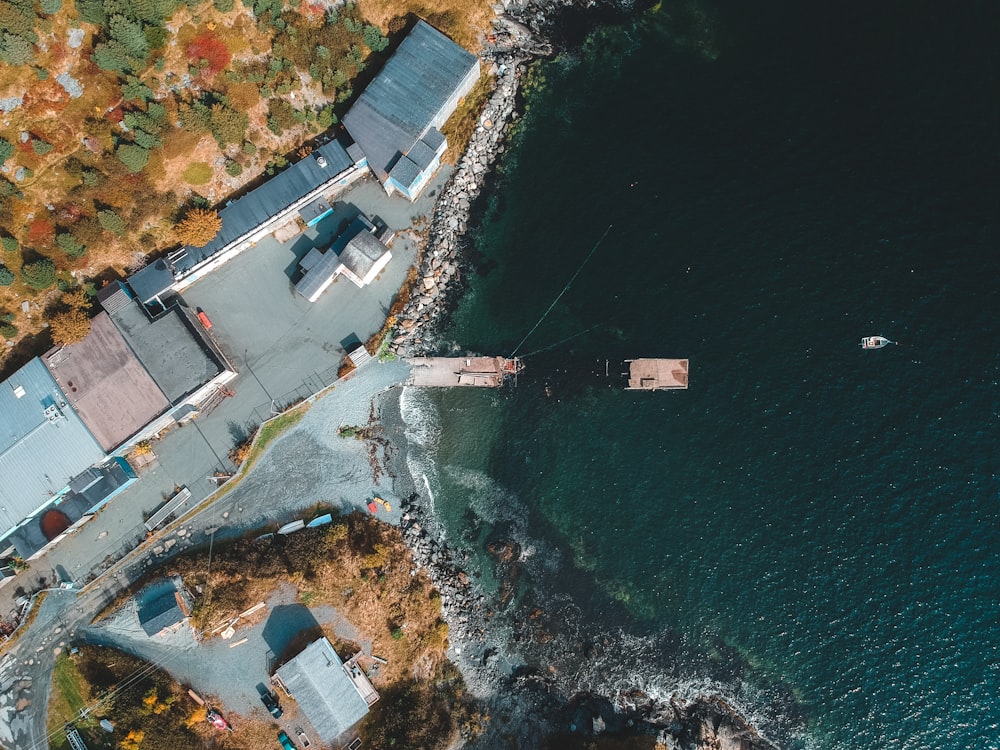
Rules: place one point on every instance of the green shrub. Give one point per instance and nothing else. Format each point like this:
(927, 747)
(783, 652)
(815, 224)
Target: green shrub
(14, 49)
(233, 169)
(6, 276)
(39, 275)
(228, 125)
(42, 74)
(326, 118)
(8, 330)
(112, 222)
(9, 244)
(90, 177)
(41, 147)
(374, 39)
(8, 317)
(51, 6)
(249, 149)
(70, 245)
(133, 156)
(224, 6)
(6, 150)
(146, 140)
(197, 173)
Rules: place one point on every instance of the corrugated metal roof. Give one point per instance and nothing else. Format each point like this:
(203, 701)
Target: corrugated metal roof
(398, 106)
(421, 154)
(107, 386)
(267, 201)
(357, 249)
(43, 443)
(326, 695)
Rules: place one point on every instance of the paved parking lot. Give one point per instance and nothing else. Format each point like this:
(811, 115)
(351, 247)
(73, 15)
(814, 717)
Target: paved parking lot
(293, 348)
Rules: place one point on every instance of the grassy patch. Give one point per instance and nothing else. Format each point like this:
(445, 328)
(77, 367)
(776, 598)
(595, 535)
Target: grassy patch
(69, 695)
(198, 173)
(271, 430)
(463, 121)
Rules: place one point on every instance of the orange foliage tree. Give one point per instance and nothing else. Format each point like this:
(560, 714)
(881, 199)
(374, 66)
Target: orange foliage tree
(41, 232)
(69, 327)
(212, 50)
(198, 227)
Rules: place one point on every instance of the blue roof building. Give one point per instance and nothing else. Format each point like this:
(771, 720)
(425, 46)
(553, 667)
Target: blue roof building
(43, 445)
(397, 119)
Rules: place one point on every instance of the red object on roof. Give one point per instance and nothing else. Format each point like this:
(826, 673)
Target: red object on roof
(372, 507)
(205, 321)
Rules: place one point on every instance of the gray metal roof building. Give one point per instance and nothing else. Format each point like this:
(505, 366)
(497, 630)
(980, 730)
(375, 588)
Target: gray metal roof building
(316, 678)
(43, 444)
(106, 385)
(362, 254)
(88, 491)
(162, 607)
(264, 203)
(396, 120)
(356, 253)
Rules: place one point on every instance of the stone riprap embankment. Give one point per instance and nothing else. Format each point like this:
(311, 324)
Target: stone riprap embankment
(441, 260)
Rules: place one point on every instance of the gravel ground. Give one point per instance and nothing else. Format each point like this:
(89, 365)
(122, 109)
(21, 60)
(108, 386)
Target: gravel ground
(311, 464)
(219, 668)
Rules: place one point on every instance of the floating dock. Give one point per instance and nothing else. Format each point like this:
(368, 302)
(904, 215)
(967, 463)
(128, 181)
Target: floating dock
(450, 372)
(657, 374)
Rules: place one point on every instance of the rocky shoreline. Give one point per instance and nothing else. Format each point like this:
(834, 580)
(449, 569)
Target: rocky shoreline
(491, 635)
(522, 32)
(535, 704)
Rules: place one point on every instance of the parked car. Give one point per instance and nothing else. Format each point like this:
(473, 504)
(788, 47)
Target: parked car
(286, 742)
(271, 704)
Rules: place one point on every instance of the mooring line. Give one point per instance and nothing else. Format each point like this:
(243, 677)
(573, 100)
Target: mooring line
(565, 289)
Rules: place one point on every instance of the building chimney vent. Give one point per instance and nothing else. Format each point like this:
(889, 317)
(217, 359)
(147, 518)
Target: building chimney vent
(321, 160)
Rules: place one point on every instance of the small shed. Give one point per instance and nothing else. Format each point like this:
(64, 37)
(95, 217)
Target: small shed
(165, 612)
(332, 698)
(313, 213)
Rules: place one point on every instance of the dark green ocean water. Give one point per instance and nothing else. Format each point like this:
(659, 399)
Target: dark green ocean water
(780, 182)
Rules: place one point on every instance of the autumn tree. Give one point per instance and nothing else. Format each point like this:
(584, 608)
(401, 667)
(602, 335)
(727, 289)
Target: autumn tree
(69, 327)
(198, 227)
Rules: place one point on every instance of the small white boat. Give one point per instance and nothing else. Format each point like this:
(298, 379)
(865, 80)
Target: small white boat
(875, 342)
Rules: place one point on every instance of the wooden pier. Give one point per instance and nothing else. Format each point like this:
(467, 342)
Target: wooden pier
(657, 374)
(450, 372)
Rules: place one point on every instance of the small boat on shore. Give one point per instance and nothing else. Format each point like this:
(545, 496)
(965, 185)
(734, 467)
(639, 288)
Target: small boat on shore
(876, 342)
